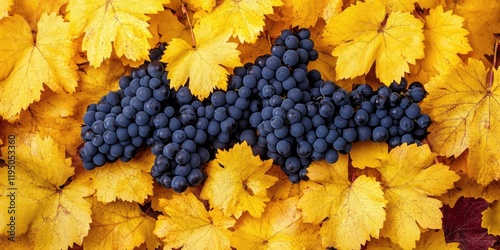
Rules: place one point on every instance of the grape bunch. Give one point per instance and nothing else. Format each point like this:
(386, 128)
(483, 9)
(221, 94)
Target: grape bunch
(122, 120)
(284, 111)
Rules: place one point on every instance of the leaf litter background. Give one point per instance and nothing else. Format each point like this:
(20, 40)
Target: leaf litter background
(58, 57)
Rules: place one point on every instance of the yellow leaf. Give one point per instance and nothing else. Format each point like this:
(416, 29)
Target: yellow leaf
(118, 22)
(237, 182)
(127, 181)
(435, 240)
(43, 202)
(119, 225)
(491, 218)
(283, 188)
(332, 8)
(365, 33)
(5, 7)
(280, 227)
(470, 188)
(368, 154)
(409, 178)
(165, 26)
(444, 39)
(32, 10)
(464, 116)
(409, 5)
(189, 225)
(54, 116)
(97, 82)
(243, 18)
(355, 211)
(204, 64)
(306, 13)
(482, 20)
(28, 64)
(204, 5)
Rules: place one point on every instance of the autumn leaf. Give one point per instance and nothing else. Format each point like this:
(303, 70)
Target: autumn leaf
(127, 181)
(32, 10)
(482, 21)
(462, 224)
(204, 65)
(279, 227)
(244, 18)
(165, 26)
(409, 6)
(444, 39)
(355, 211)
(119, 225)
(491, 218)
(368, 154)
(464, 116)
(306, 13)
(432, 239)
(237, 182)
(366, 33)
(410, 177)
(118, 22)
(187, 224)
(44, 202)
(28, 64)
(5, 7)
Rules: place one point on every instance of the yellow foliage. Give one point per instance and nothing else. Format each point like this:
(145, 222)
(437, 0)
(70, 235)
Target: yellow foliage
(464, 117)
(28, 63)
(237, 182)
(244, 18)
(119, 225)
(355, 211)
(43, 202)
(491, 218)
(366, 33)
(120, 22)
(127, 181)
(187, 224)
(369, 154)
(279, 227)
(410, 177)
(211, 53)
(5, 7)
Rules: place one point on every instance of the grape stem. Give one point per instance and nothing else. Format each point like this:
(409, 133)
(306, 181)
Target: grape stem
(184, 11)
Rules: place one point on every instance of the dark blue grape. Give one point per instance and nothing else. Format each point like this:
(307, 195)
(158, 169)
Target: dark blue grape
(282, 73)
(406, 124)
(179, 184)
(290, 58)
(331, 156)
(423, 121)
(380, 134)
(413, 111)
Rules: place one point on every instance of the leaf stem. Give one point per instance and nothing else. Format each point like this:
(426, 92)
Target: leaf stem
(184, 11)
(495, 52)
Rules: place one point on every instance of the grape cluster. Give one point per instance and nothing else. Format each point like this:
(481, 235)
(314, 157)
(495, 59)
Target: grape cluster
(284, 111)
(122, 120)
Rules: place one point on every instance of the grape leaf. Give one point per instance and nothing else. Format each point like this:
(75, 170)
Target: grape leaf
(355, 211)
(462, 224)
(464, 116)
(43, 200)
(5, 7)
(482, 20)
(32, 10)
(128, 181)
(189, 225)
(165, 26)
(244, 18)
(204, 5)
(27, 64)
(279, 227)
(118, 22)
(283, 188)
(491, 218)
(119, 225)
(432, 239)
(444, 39)
(237, 182)
(366, 32)
(203, 64)
(409, 5)
(410, 177)
(306, 13)
(368, 154)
